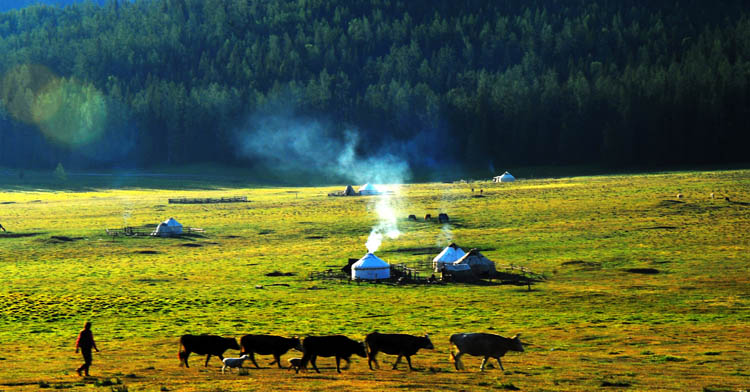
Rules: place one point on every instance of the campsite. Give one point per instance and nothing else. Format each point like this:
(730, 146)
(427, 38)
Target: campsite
(518, 195)
(635, 296)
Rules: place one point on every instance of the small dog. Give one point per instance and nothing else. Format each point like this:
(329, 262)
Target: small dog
(294, 363)
(233, 363)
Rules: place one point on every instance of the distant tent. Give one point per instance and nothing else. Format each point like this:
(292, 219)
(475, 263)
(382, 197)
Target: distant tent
(371, 267)
(506, 177)
(168, 228)
(449, 255)
(368, 189)
(349, 191)
(481, 265)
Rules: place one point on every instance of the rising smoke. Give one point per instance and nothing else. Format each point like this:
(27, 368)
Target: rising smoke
(290, 143)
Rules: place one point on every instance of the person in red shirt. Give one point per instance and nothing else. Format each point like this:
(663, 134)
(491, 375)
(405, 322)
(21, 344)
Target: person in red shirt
(85, 343)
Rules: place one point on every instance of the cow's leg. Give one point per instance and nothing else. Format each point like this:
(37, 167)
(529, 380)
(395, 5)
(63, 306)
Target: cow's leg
(372, 357)
(500, 363)
(302, 363)
(338, 362)
(398, 360)
(207, 358)
(252, 358)
(408, 360)
(312, 361)
(224, 367)
(348, 363)
(481, 368)
(184, 358)
(277, 359)
(457, 360)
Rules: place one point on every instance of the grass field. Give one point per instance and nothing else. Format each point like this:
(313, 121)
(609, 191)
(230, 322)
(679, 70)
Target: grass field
(597, 323)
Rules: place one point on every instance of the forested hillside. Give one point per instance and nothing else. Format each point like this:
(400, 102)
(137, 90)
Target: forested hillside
(479, 83)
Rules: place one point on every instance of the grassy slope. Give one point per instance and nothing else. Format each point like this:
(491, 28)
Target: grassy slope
(590, 324)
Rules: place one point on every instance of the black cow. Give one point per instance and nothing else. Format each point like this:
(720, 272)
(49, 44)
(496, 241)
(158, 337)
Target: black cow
(338, 346)
(395, 344)
(205, 344)
(268, 345)
(485, 345)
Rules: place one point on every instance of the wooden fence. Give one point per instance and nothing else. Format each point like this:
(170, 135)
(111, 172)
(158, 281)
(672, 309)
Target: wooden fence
(209, 200)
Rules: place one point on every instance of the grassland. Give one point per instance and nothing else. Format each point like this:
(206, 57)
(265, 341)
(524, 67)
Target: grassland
(592, 325)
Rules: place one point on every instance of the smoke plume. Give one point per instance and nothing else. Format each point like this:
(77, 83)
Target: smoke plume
(291, 143)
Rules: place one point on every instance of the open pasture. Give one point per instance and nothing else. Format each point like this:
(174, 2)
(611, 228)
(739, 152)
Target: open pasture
(645, 290)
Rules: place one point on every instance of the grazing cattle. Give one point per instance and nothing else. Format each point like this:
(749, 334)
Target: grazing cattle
(482, 345)
(233, 363)
(205, 344)
(294, 363)
(395, 344)
(268, 345)
(443, 218)
(411, 218)
(338, 346)
(427, 217)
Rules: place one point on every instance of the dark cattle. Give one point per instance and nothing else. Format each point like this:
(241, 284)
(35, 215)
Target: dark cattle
(412, 217)
(482, 345)
(443, 218)
(427, 217)
(395, 344)
(268, 345)
(205, 344)
(338, 346)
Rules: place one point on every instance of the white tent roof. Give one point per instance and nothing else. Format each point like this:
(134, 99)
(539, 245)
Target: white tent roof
(172, 222)
(370, 262)
(506, 177)
(450, 254)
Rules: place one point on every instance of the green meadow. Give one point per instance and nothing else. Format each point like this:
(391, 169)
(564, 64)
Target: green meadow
(645, 290)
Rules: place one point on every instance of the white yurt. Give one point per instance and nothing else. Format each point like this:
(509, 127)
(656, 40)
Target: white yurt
(168, 228)
(506, 177)
(368, 189)
(449, 255)
(371, 267)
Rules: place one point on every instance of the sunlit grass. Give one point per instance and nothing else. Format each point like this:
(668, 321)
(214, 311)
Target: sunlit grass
(591, 324)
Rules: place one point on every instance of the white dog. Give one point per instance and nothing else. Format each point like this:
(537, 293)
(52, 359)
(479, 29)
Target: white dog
(233, 363)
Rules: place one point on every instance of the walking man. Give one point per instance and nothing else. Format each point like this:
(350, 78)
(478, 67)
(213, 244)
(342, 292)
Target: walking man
(85, 343)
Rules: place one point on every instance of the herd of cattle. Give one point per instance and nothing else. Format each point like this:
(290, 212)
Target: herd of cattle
(341, 347)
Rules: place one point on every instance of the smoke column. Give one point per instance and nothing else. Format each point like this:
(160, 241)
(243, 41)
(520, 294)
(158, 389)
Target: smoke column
(387, 225)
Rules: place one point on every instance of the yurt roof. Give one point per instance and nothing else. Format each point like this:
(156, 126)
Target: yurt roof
(172, 222)
(370, 261)
(474, 257)
(368, 187)
(450, 254)
(507, 176)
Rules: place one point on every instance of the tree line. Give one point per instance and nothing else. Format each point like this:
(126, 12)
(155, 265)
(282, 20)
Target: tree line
(517, 82)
